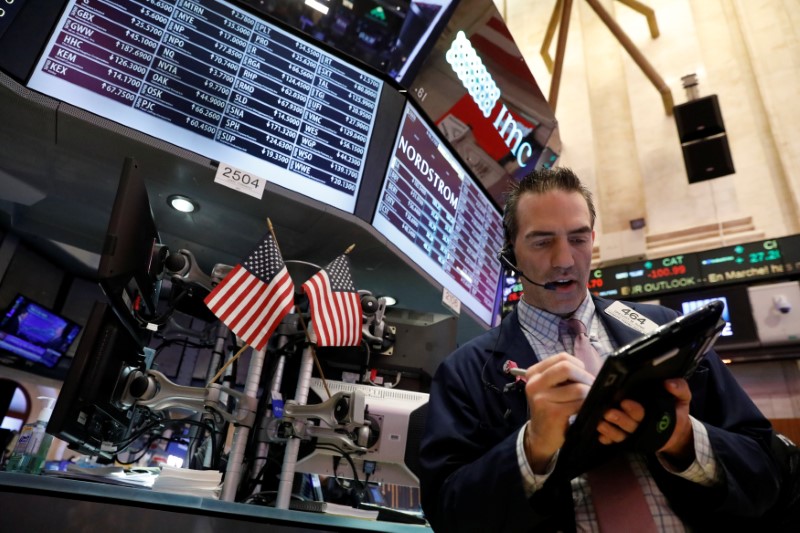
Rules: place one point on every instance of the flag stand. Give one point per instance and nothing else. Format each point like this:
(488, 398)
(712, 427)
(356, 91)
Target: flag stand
(293, 445)
(233, 471)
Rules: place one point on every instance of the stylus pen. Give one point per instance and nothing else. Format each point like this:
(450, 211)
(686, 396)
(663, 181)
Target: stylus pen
(517, 371)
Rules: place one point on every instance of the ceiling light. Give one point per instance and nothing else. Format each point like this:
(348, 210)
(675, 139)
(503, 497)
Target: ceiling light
(390, 300)
(181, 203)
(319, 6)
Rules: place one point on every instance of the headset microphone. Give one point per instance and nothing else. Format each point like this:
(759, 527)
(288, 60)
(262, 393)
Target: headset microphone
(502, 255)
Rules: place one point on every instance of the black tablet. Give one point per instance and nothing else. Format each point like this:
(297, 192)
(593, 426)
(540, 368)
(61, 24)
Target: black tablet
(637, 371)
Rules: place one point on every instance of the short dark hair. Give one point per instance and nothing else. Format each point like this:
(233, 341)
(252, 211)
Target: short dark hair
(539, 182)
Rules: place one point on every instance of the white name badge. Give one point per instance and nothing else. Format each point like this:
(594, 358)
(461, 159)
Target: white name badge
(240, 180)
(630, 318)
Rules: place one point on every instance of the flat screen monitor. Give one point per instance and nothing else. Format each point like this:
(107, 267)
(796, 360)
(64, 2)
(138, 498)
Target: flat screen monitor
(217, 80)
(437, 214)
(477, 86)
(35, 333)
(392, 38)
(89, 413)
(739, 330)
(398, 415)
(132, 256)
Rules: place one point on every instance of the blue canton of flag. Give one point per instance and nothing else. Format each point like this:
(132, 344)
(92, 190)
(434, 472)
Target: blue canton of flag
(255, 296)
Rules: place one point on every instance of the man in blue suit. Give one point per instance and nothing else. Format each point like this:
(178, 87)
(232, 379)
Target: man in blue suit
(490, 449)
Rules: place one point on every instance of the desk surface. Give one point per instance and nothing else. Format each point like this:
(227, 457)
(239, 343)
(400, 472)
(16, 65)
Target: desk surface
(41, 503)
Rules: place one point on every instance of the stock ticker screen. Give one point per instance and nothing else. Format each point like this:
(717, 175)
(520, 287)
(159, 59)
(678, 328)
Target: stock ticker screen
(610, 282)
(437, 215)
(747, 262)
(742, 262)
(213, 79)
(665, 274)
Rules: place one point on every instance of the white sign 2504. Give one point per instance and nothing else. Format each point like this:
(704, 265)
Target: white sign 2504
(240, 180)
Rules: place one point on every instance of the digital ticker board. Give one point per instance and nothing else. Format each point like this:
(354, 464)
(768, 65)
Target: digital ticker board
(665, 274)
(210, 77)
(742, 262)
(610, 282)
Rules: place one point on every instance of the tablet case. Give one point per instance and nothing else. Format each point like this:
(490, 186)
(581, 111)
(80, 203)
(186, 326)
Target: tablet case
(637, 371)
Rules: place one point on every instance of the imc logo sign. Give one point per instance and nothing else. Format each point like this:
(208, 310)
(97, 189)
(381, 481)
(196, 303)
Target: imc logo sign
(484, 92)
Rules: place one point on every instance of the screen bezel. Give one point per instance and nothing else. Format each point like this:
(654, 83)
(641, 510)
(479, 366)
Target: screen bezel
(130, 263)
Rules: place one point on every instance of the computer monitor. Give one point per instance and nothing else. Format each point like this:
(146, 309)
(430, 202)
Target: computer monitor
(132, 257)
(739, 330)
(439, 216)
(89, 413)
(395, 41)
(35, 333)
(400, 417)
(213, 78)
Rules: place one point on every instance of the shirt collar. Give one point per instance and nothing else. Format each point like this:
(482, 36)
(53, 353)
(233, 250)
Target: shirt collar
(543, 325)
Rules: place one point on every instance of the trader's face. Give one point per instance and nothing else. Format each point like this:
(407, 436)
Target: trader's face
(554, 245)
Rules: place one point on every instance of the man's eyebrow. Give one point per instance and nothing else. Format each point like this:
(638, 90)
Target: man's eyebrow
(584, 229)
(540, 233)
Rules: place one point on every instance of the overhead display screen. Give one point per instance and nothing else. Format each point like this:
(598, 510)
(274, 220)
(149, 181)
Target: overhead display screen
(666, 274)
(212, 78)
(610, 282)
(435, 213)
(742, 262)
(392, 37)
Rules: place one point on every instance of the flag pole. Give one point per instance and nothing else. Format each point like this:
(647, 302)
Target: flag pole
(228, 363)
(290, 453)
(274, 238)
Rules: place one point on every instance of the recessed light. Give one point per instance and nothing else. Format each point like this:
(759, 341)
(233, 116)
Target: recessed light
(182, 203)
(390, 300)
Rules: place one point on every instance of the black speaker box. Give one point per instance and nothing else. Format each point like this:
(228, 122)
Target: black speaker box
(708, 158)
(698, 119)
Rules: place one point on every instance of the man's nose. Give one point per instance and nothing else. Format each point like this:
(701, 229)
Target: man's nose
(562, 254)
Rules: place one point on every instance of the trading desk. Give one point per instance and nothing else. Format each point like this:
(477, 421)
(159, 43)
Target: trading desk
(41, 503)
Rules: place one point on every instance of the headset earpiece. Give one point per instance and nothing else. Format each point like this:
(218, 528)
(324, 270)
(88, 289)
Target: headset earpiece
(507, 257)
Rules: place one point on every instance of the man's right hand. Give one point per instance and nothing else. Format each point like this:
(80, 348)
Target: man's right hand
(555, 389)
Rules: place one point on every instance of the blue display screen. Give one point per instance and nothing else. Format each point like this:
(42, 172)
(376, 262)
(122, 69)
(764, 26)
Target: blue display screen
(36, 333)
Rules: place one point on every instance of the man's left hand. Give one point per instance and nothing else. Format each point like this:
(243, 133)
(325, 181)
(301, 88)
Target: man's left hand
(679, 449)
(619, 424)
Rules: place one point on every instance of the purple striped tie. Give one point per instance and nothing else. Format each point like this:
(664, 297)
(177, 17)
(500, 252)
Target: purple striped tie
(616, 494)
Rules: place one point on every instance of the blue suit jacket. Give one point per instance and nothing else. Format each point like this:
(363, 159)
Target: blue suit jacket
(470, 479)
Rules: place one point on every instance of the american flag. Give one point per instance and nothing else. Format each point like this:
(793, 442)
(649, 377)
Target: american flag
(335, 305)
(255, 296)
